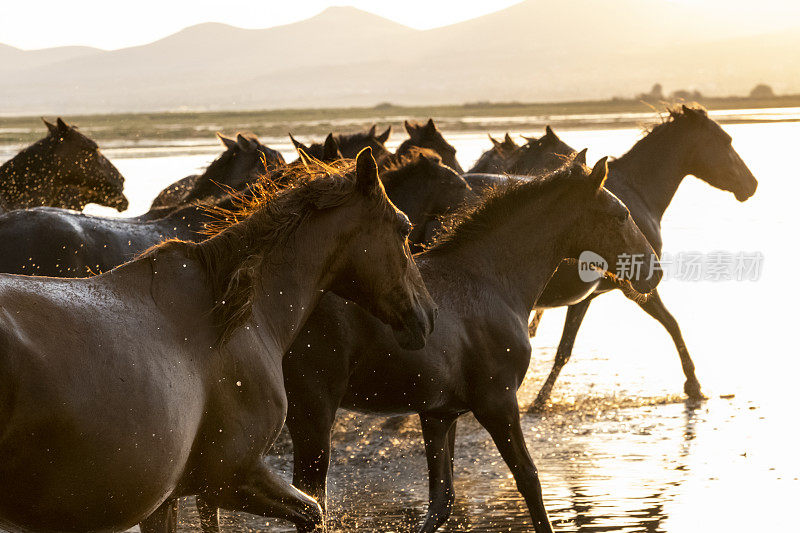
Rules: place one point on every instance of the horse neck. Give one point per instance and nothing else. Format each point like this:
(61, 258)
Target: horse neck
(652, 170)
(517, 254)
(35, 160)
(291, 279)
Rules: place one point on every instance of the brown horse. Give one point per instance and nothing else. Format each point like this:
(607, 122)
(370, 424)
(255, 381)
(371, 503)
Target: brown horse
(350, 144)
(64, 169)
(486, 274)
(646, 178)
(243, 160)
(163, 377)
(428, 136)
(493, 160)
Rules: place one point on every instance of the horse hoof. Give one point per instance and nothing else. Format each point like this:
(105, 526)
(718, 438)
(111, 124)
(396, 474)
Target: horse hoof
(692, 390)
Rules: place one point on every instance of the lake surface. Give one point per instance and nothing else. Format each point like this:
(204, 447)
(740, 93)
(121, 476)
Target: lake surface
(620, 450)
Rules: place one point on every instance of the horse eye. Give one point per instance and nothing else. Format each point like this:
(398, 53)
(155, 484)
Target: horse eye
(406, 229)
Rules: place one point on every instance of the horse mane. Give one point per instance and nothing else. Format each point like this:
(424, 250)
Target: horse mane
(468, 223)
(671, 115)
(262, 218)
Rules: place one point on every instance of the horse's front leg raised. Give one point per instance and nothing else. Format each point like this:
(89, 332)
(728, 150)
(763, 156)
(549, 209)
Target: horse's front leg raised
(260, 491)
(500, 416)
(575, 314)
(439, 434)
(654, 307)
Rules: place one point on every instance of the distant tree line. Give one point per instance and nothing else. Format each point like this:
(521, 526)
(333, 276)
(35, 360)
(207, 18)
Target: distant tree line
(656, 94)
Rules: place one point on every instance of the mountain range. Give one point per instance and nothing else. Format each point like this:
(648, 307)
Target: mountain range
(537, 50)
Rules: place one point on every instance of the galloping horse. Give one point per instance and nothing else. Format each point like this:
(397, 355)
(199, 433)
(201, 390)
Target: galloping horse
(243, 160)
(535, 157)
(428, 136)
(493, 161)
(65, 169)
(646, 178)
(62, 243)
(350, 144)
(164, 377)
(485, 274)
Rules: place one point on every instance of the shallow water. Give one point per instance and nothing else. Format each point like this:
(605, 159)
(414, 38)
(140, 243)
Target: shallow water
(620, 450)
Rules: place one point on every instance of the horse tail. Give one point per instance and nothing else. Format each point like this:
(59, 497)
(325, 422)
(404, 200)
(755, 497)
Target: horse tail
(533, 324)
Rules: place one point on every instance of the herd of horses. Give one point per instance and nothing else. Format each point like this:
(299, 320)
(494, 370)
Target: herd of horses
(149, 358)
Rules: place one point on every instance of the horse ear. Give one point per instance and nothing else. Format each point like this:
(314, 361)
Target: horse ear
(508, 139)
(246, 144)
(372, 130)
(330, 150)
(599, 173)
(50, 126)
(495, 142)
(62, 126)
(300, 147)
(548, 132)
(227, 142)
(580, 158)
(410, 128)
(430, 126)
(367, 181)
(383, 137)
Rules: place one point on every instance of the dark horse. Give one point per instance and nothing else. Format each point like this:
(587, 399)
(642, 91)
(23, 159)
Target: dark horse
(350, 144)
(243, 160)
(493, 161)
(535, 157)
(164, 377)
(62, 243)
(428, 136)
(64, 169)
(646, 178)
(485, 274)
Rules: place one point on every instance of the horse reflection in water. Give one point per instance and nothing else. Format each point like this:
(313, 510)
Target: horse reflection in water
(182, 392)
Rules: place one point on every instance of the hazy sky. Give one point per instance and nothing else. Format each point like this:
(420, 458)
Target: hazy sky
(114, 24)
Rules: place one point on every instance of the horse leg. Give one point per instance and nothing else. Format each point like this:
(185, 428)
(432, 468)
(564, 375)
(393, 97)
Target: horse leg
(209, 515)
(501, 419)
(654, 307)
(311, 440)
(575, 314)
(533, 325)
(439, 433)
(262, 492)
(163, 520)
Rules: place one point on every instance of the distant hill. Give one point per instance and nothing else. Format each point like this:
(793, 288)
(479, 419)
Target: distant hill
(533, 51)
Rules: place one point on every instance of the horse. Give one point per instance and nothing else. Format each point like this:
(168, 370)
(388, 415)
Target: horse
(428, 136)
(492, 161)
(646, 179)
(243, 160)
(536, 156)
(47, 241)
(163, 377)
(330, 150)
(64, 169)
(426, 190)
(486, 273)
(62, 243)
(350, 144)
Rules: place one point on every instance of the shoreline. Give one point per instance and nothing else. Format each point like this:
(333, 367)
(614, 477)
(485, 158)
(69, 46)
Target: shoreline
(478, 117)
